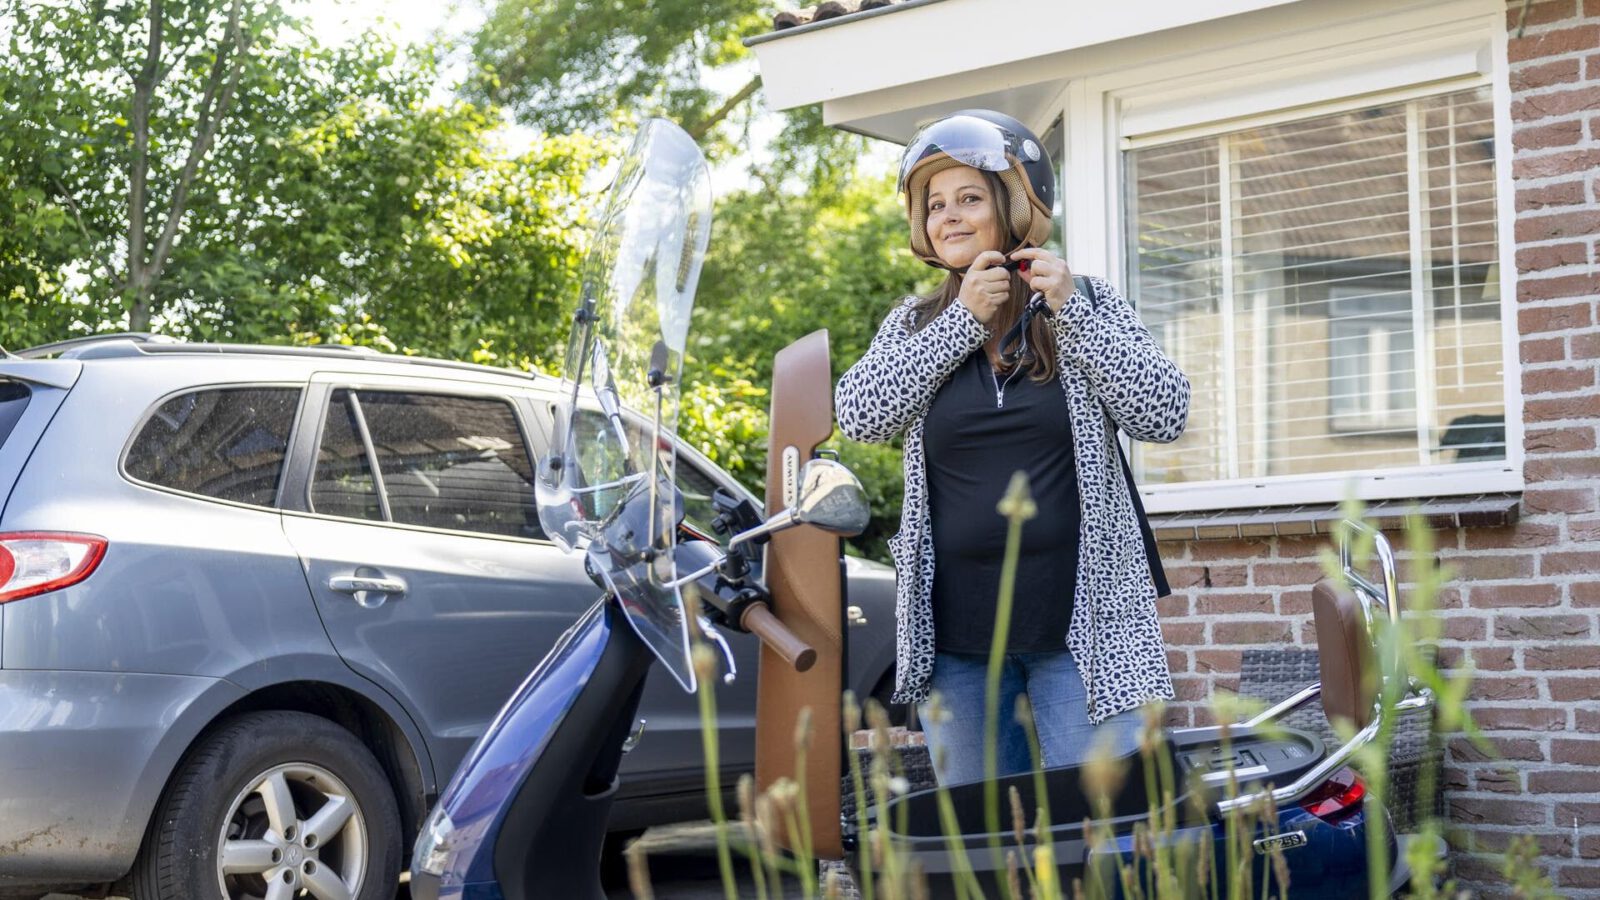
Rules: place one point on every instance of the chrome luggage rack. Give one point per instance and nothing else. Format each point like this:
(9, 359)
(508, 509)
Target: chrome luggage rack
(1376, 600)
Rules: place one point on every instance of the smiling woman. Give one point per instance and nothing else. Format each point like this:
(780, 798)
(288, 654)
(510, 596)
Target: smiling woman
(1082, 640)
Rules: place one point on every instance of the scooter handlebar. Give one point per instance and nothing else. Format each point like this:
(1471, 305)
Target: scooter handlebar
(760, 621)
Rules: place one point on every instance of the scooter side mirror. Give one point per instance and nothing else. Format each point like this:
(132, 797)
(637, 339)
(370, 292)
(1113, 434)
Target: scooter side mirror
(830, 497)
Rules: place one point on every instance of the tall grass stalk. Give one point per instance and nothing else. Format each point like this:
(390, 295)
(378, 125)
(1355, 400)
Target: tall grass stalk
(767, 826)
(1018, 507)
(800, 841)
(1041, 799)
(864, 865)
(705, 667)
(752, 847)
(966, 882)
(886, 768)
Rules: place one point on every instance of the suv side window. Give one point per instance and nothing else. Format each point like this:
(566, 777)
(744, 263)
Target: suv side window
(697, 488)
(342, 484)
(226, 443)
(458, 463)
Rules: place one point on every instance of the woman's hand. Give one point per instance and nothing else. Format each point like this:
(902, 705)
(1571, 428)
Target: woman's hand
(1048, 274)
(986, 287)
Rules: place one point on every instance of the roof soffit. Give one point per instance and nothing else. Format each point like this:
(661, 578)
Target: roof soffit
(919, 43)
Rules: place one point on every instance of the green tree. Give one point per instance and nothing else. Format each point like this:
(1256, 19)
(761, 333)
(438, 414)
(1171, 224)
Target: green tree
(208, 169)
(567, 65)
(564, 64)
(114, 110)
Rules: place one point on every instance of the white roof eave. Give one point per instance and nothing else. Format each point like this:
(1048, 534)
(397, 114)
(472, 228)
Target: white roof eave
(882, 74)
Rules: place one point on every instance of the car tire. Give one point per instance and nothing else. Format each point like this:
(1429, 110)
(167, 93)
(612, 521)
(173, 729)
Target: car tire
(281, 800)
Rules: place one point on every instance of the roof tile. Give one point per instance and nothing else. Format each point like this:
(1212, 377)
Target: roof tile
(828, 9)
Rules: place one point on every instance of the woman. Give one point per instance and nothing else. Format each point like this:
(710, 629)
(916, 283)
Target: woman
(999, 371)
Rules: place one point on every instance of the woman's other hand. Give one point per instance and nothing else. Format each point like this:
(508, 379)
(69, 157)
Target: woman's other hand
(1048, 274)
(986, 287)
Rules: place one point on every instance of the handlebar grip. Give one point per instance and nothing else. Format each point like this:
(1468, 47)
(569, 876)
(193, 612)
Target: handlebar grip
(760, 621)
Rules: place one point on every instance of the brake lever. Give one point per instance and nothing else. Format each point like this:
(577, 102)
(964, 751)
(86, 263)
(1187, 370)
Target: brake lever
(714, 636)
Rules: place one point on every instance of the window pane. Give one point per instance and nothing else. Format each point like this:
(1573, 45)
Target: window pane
(1054, 140)
(1329, 287)
(697, 489)
(227, 443)
(342, 484)
(14, 397)
(452, 462)
(596, 440)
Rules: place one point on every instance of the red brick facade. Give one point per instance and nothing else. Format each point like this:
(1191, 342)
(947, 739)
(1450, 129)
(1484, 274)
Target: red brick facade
(1524, 601)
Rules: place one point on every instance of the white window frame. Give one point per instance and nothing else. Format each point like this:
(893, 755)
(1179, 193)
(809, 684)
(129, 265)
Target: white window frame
(1153, 99)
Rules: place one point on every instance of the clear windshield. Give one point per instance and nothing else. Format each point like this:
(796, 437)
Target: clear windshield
(599, 491)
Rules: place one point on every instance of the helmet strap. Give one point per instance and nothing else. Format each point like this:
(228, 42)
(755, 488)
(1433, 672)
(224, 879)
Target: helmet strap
(1015, 245)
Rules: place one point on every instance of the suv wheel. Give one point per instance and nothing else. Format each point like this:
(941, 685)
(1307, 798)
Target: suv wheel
(270, 805)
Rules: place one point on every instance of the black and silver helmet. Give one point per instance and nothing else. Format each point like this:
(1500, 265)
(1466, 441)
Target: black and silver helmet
(990, 141)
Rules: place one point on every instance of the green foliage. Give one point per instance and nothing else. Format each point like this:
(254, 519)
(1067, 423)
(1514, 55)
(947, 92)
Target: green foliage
(336, 201)
(566, 65)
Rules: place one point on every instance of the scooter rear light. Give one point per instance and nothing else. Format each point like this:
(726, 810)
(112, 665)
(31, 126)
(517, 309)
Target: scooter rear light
(1337, 799)
(36, 562)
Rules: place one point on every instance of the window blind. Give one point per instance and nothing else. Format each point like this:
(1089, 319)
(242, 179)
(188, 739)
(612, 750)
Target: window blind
(1330, 287)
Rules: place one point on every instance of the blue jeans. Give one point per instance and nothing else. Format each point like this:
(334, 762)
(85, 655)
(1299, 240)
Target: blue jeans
(1060, 715)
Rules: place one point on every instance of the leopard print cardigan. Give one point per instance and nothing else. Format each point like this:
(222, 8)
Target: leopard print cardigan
(1114, 377)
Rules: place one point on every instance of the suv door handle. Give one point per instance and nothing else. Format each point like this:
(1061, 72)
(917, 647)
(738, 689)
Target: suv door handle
(371, 591)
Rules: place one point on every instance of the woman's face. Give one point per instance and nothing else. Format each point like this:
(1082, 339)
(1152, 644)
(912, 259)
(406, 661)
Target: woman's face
(963, 219)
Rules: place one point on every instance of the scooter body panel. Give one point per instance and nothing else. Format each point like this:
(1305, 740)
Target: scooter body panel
(528, 806)
(1324, 860)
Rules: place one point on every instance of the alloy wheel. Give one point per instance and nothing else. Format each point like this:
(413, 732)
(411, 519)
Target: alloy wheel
(296, 830)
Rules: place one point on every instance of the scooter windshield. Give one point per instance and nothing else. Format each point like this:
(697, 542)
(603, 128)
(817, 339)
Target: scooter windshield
(606, 487)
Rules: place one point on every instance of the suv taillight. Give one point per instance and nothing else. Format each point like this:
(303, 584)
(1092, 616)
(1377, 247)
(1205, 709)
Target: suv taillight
(34, 562)
(1336, 799)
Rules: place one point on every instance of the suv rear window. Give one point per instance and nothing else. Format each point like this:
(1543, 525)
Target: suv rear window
(226, 443)
(13, 400)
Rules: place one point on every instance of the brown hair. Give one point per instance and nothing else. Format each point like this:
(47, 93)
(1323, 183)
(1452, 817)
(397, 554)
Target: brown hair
(1041, 360)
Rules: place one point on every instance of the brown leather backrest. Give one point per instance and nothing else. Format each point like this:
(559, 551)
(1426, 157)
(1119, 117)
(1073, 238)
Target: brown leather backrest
(1344, 651)
(804, 575)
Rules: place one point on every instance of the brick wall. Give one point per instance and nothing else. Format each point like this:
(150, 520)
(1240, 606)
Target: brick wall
(1525, 598)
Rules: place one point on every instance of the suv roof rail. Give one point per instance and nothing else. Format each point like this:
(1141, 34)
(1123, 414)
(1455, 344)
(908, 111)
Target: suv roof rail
(338, 351)
(52, 349)
(361, 349)
(140, 343)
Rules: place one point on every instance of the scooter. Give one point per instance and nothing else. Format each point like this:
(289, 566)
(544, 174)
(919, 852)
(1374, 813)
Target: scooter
(525, 814)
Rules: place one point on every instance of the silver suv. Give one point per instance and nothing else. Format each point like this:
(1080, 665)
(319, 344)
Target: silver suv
(247, 586)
